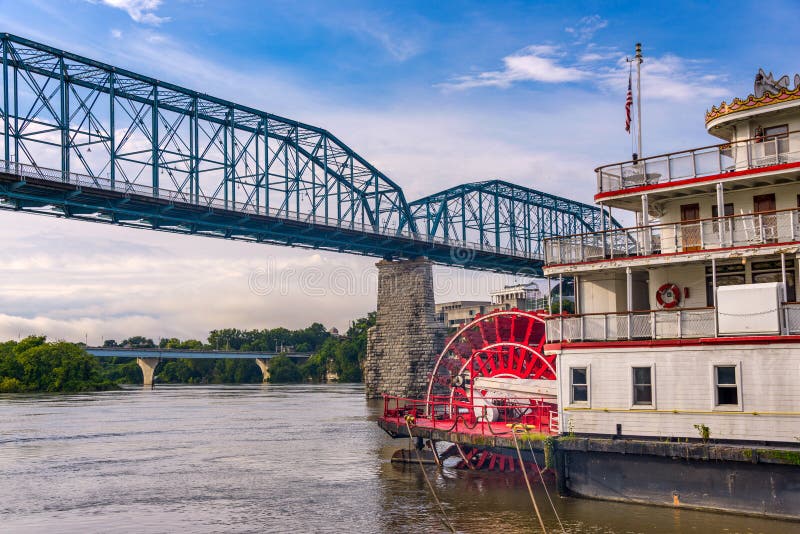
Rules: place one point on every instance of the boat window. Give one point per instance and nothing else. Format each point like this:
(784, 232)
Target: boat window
(728, 211)
(642, 386)
(776, 140)
(579, 384)
(726, 387)
(727, 275)
(776, 131)
(690, 212)
(772, 145)
(764, 203)
(770, 271)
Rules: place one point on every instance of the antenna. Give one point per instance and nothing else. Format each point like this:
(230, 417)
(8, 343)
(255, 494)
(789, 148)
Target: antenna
(638, 59)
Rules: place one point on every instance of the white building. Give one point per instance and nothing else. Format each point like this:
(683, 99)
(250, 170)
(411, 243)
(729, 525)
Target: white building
(520, 296)
(460, 312)
(690, 320)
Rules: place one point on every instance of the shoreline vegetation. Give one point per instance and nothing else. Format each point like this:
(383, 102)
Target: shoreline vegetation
(36, 365)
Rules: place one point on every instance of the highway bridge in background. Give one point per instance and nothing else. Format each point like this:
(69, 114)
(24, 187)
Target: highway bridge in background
(148, 359)
(86, 140)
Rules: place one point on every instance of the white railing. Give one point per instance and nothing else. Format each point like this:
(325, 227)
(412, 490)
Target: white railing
(791, 311)
(705, 161)
(706, 234)
(650, 324)
(128, 188)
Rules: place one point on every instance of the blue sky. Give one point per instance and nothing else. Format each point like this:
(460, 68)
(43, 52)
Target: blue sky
(433, 93)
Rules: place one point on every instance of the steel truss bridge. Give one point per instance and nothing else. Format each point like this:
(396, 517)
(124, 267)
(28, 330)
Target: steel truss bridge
(86, 140)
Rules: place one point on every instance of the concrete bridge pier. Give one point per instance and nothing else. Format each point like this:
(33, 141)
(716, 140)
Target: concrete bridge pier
(148, 367)
(263, 364)
(403, 345)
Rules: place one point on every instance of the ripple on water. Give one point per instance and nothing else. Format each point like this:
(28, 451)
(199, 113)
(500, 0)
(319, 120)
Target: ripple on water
(260, 458)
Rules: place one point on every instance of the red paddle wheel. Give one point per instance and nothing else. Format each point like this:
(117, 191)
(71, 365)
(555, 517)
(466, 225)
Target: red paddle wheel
(477, 375)
(492, 376)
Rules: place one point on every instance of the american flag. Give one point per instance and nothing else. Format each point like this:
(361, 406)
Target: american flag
(628, 105)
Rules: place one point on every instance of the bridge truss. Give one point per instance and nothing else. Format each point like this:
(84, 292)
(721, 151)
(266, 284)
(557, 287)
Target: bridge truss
(501, 215)
(87, 140)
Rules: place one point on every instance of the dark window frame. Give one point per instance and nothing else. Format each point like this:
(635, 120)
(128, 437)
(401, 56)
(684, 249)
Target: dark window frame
(582, 388)
(726, 393)
(641, 387)
(728, 212)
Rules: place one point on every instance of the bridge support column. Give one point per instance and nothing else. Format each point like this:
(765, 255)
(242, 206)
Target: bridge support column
(403, 345)
(148, 367)
(263, 364)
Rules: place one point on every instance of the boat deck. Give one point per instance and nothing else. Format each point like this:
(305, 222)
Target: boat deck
(459, 427)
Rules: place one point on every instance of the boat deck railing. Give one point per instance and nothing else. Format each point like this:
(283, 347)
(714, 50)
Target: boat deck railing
(684, 323)
(753, 153)
(747, 229)
(647, 324)
(538, 414)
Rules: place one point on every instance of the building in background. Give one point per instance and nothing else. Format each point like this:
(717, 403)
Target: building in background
(460, 312)
(520, 296)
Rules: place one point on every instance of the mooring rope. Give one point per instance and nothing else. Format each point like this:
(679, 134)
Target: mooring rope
(445, 520)
(546, 492)
(525, 475)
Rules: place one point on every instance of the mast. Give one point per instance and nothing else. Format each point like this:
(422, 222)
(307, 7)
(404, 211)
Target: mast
(638, 60)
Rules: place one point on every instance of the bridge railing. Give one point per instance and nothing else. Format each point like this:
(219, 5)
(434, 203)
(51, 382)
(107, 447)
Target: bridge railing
(128, 188)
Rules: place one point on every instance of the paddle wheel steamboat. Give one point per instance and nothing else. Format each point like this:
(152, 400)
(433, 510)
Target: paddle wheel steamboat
(684, 344)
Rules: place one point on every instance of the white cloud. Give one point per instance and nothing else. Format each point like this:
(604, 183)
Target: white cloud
(139, 10)
(397, 32)
(400, 47)
(590, 57)
(586, 28)
(536, 63)
(667, 77)
(116, 34)
(671, 77)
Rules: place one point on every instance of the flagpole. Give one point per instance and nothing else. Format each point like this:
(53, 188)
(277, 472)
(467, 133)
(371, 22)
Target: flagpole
(638, 59)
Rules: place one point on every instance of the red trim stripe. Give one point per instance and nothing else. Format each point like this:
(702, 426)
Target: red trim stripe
(670, 254)
(740, 340)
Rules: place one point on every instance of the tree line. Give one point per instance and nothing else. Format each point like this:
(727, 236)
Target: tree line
(34, 364)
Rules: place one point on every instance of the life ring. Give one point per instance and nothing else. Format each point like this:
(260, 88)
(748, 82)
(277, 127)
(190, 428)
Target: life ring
(668, 295)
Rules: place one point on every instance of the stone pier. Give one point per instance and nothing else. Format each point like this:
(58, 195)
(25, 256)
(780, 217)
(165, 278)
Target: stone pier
(148, 367)
(263, 364)
(403, 345)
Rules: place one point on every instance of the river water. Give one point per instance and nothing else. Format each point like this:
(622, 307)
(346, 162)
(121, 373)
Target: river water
(263, 458)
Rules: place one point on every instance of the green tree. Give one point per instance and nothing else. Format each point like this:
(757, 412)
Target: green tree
(35, 365)
(314, 369)
(283, 370)
(121, 370)
(138, 342)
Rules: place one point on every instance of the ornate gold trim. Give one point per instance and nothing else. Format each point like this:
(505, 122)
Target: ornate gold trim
(751, 102)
